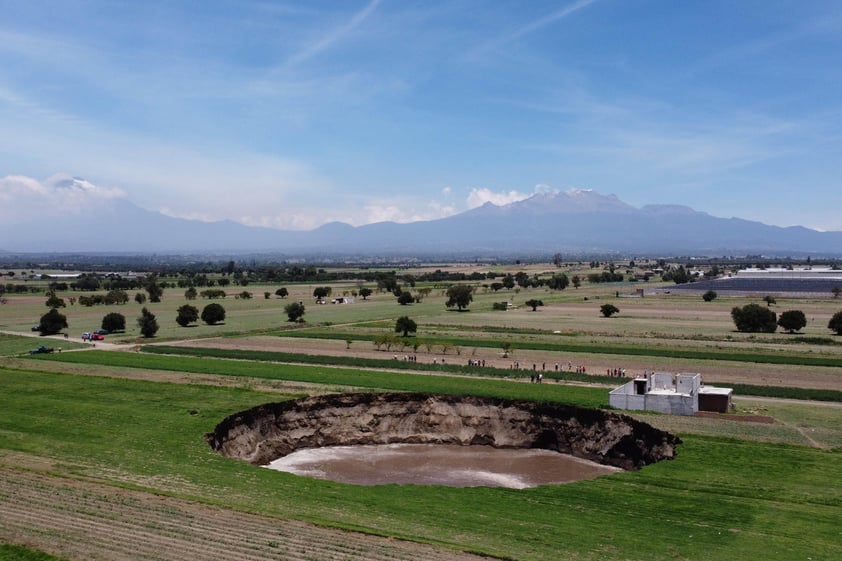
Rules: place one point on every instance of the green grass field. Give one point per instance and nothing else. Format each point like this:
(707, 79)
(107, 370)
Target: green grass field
(722, 498)
(736, 490)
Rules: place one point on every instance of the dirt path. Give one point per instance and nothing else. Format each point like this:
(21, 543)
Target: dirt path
(87, 521)
(713, 372)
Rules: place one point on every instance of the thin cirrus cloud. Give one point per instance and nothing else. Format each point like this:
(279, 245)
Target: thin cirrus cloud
(334, 36)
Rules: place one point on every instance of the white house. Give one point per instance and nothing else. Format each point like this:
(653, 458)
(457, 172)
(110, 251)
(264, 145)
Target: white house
(676, 394)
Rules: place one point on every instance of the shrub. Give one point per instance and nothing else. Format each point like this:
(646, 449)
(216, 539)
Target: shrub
(213, 314)
(147, 323)
(52, 322)
(753, 318)
(709, 296)
(609, 310)
(294, 311)
(114, 322)
(187, 314)
(792, 320)
(835, 323)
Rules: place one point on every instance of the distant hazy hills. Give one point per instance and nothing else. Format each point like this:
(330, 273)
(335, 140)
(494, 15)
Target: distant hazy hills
(573, 222)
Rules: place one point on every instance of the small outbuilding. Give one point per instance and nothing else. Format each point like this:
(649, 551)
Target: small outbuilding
(675, 394)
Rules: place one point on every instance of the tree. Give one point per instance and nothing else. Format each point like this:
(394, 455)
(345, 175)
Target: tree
(753, 318)
(459, 295)
(365, 292)
(114, 322)
(558, 282)
(534, 304)
(557, 260)
(282, 292)
(835, 323)
(577, 281)
(140, 297)
(147, 323)
(52, 322)
(116, 296)
(294, 311)
(154, 289)
(213, 313)
(769, 300)
(190, 293)
(406, 325)
(405, 298)
(792, 320)
(321, 292)
(709, 296)
(187, 314)
(609, 310)
(678, 276)
(54, 301)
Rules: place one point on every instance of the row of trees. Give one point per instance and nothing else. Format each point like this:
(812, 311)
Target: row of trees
(754, 318)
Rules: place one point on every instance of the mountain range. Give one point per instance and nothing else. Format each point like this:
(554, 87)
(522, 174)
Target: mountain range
(581, 222)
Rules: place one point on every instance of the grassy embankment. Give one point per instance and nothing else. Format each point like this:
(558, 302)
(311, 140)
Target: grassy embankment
(722, 498)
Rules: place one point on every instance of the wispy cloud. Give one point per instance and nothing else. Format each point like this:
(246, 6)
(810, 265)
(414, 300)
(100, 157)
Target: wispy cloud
(533, 26)
(546, 20)
(333, 36)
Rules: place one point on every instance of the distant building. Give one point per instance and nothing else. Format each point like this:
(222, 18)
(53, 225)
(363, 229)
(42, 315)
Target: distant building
(675, 394)
(781, 273)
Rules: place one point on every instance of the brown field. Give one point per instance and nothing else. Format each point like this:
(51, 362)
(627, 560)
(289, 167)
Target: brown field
(712, 371)
(84, 520)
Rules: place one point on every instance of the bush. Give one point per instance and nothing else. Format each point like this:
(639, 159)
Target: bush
(114, 322)
(609, 310)
(535, 303)
(294, 311)
(187, 314)
(405, 298)
(212, 293)
(835, 323)
(147, 323)
(52, 322)
(55, 302)
(213, 314)
(792, 320)
(405, 325)
(754, 318)
(709, 296)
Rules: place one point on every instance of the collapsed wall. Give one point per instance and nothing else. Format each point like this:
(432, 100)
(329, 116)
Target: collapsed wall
(267, 432)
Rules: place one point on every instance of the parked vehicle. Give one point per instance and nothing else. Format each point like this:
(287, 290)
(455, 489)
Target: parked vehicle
(96, 337)
(86, 336)
(36, 328)
(41, 349)
(101, 331)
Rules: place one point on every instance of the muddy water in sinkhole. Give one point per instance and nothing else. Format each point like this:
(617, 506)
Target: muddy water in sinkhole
(434, 464)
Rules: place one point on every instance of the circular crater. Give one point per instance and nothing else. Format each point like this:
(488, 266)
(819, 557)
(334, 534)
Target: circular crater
(273, 431)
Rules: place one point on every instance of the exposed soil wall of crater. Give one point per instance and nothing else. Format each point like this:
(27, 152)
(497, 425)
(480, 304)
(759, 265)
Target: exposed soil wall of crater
(273, 430)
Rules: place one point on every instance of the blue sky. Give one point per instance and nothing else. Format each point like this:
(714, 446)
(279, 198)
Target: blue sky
(292, 114)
